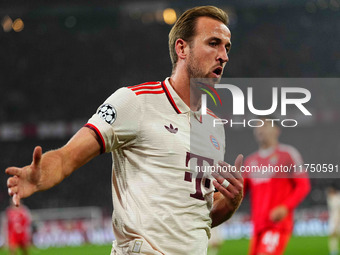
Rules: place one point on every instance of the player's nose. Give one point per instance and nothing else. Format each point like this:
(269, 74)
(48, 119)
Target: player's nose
(223, 55)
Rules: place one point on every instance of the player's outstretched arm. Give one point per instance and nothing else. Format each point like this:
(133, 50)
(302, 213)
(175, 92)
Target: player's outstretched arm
(50, 168)
(227, 199)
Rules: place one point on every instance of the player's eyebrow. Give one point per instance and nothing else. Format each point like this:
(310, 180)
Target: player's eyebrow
(218, 41)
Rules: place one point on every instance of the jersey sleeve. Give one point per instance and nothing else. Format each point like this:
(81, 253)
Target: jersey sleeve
(295, 156)
(301, 189)
(301, 182)
(116, 121)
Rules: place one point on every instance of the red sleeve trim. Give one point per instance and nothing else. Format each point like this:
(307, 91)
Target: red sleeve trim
(100, 138)
(149, 92)
(146, 87)
(143, 84)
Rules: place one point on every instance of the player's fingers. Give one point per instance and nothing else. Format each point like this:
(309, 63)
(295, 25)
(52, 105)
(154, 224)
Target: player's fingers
(224, 169)
(238, 162)
(10, 192)
(236, 181)
(13, 181)
(227, 168)
(16, 199)
(13, 190)
(231, 183)
(221, 179)
(235, 170)
(224, 164)
(37, 155)
(218, 177)
(225, 192)
(13, 171)
(222, 174)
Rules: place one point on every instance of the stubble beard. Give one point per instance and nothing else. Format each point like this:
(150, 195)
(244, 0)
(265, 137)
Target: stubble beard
(195, 72)
(193, 69)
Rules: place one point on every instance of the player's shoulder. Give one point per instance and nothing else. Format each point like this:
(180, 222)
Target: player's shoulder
(147, 88)
(286, 148)
(290, 152)
(133, 95)
(251, 157)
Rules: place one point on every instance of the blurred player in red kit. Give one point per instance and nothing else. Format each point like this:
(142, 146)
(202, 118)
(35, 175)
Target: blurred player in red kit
(18, 228)
(273, 195)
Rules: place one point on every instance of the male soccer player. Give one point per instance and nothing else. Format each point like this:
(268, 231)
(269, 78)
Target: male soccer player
(275, 194)
(333, 201)
(18, 228)
(160, 205)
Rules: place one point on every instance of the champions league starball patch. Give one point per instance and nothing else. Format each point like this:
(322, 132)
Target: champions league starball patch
(108, 113)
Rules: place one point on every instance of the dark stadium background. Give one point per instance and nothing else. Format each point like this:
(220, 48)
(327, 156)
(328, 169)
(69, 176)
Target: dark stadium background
(71, 55)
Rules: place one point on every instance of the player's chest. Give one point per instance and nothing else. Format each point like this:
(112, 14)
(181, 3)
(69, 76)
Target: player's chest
(267, 169)
(276, 159)
(165, 131)
(180, 133)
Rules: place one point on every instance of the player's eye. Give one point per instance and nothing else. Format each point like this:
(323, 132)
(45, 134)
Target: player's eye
(213, 43)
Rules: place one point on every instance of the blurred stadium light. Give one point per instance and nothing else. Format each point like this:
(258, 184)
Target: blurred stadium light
(169, 16)
(6, 23)
(18, 25)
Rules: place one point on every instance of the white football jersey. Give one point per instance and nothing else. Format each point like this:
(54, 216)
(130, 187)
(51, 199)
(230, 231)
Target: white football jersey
(160, 205)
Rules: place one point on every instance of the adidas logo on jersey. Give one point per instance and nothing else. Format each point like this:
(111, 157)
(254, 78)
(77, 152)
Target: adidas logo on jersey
(171, 129)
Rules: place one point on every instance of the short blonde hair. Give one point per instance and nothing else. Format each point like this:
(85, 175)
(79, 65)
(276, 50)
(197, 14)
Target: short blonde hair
(184, 27)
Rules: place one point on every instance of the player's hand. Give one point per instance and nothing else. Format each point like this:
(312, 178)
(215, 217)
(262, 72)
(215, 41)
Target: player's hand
(24, 181)
(234, 191)
(278, 213)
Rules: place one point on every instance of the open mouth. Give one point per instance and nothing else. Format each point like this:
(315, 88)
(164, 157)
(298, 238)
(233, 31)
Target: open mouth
(218, 71)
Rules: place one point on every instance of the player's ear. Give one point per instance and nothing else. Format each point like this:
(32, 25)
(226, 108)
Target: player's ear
(181, 48)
